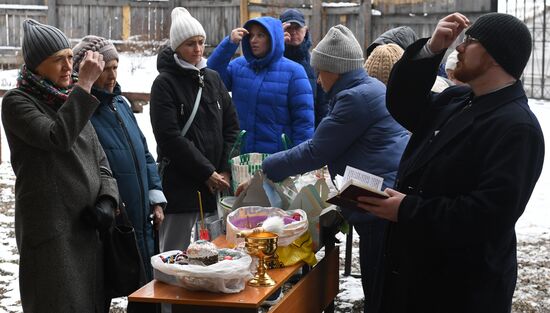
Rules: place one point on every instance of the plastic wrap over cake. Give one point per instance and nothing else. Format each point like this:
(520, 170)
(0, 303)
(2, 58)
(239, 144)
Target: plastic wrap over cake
(229, 275)
(250, 217)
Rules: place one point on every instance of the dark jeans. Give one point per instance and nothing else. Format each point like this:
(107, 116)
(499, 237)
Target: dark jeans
(372, 237)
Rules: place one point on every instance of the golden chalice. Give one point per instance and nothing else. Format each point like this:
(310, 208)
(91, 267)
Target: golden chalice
(262, 245)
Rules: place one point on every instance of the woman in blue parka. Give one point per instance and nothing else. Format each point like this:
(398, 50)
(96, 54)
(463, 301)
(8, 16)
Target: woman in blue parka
(272, 94)
(358, 131)
(126, 148)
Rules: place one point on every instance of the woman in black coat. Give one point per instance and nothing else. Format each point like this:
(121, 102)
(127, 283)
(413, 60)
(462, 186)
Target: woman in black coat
(198, 160)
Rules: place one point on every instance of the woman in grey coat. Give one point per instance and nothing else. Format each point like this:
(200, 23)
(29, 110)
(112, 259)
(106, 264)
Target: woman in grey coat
(62, 176)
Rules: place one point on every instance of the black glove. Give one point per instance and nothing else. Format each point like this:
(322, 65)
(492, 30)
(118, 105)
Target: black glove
(102, 215)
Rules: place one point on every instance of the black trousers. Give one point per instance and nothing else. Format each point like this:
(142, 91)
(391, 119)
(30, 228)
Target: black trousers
(372, 237)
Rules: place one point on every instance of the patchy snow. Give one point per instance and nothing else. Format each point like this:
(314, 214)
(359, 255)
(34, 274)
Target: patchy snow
(136, 73)
(535, 221)
(147, 130)
(8, 79)
(339, 4)
(23, 7)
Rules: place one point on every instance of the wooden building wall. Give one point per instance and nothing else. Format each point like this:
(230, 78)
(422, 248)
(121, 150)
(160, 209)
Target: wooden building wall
(147, 23)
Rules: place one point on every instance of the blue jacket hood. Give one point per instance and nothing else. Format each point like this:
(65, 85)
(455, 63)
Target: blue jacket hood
(275, 29)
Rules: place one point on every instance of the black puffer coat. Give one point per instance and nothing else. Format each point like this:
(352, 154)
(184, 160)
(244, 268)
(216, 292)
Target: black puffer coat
(205, 148)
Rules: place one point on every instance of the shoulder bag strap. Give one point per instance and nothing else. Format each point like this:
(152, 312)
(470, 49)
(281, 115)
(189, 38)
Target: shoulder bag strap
(195, 107)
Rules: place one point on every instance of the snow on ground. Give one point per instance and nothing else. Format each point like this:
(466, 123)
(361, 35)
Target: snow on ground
(535, 221)
(136, 72)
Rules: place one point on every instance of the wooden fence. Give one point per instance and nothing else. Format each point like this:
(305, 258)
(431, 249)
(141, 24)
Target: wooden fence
(147, 24)
(423, 16)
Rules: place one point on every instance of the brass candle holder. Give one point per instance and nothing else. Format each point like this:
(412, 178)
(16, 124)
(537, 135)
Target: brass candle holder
(262, 245)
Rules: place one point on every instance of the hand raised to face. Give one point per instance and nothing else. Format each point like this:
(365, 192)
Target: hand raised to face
(237, 35)
(447, 30)
(91, 68)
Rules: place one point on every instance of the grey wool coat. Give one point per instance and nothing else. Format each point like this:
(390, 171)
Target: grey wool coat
(57, 159)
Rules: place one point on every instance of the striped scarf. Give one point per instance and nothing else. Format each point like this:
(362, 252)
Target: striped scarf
(42, 88)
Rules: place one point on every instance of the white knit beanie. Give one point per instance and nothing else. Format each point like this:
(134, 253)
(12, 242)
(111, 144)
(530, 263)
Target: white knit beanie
(338, 52)
(183, 27)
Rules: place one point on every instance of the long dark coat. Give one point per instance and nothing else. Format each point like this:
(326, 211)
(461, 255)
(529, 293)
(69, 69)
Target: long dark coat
(468, 172)
(132, 165)
(56, 157)
(206, 146)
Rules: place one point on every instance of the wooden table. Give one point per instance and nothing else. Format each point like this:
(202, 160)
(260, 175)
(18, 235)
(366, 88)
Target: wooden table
(315, 292)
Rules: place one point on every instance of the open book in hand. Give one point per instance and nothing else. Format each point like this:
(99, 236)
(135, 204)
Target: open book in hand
(356, 183)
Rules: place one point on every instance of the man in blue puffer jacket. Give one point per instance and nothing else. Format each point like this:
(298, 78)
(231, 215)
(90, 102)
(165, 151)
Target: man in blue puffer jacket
(271, 93)
(126, 148)
(358, 131)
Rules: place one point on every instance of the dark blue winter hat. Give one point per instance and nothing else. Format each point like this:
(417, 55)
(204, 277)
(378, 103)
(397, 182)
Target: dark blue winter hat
(293, 16)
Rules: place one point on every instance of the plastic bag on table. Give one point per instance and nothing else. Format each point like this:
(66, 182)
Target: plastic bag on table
(227, 276)
(311, 199)
(250, 217)
(262, 192)
(245, 165)
(300, 249)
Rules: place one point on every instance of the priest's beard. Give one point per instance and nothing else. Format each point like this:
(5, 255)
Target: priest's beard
(469, 71)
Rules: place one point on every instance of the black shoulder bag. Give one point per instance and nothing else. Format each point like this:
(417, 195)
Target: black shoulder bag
(124, 270)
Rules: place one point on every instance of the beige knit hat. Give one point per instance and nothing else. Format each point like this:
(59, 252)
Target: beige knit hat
(338, 52)
(381, 61)
(93, 43)
(183, 27)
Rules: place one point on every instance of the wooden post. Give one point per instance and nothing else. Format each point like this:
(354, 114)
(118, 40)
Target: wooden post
(52, 12)
(494, 6)
(126, 21)
(365, 24)
(315, 23)
(244, 12)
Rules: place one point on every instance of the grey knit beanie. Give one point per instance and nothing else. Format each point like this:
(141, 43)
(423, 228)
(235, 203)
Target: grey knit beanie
(41, 41)
(506, 39)
(183, 27)
(338, 52)
(93, 43)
